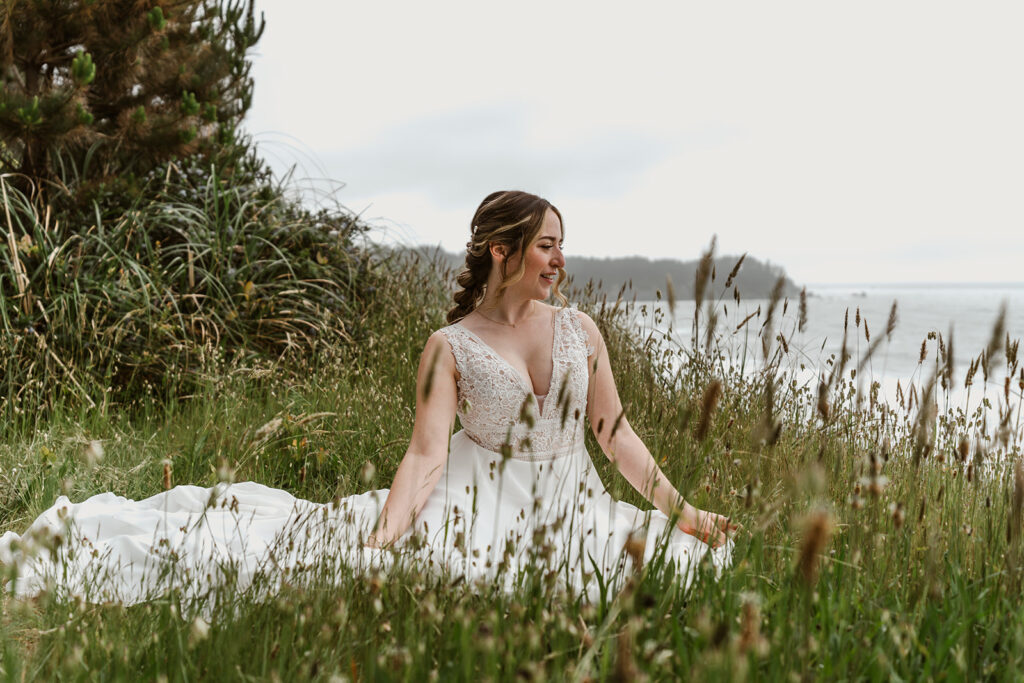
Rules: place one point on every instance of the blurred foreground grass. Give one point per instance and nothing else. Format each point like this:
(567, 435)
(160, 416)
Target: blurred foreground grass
(878, 542)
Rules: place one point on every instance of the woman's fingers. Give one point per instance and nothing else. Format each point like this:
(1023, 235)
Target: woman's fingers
(716, 539)
(711, 528)
(721, 527)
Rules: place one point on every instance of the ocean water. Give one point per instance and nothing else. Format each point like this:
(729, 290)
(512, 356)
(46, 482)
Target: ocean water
(966, 312)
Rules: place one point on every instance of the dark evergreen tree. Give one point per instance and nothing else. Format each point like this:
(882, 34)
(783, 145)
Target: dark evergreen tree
(115, 87)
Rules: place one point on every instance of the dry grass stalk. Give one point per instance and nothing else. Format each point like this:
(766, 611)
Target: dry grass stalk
(712, 395)
(428, 382)
(996, 342)
(890, 326)
(20, 276)
(803, 310)
(735, 270)
(872, 347)
(769, 428)
(747, 319)
(924, 424)
(824, 409)
(750, 626)
(625, 665)
(703, 274)
(709, 333)
(971, 369)
(963, 449)
(1018, 501)
(767, 330)
(817, 531)
(950, 361)
(898, 516)
(701, 279)
(618, 421)
(670, 293)
(634, 547)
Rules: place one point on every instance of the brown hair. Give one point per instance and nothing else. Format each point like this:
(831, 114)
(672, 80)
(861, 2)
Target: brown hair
(513, 219)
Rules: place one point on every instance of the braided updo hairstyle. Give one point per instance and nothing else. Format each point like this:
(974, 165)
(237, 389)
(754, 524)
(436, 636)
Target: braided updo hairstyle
(513, 219)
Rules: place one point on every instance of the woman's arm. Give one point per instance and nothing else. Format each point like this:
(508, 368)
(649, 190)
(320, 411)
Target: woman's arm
(629, 454)
(424, 460)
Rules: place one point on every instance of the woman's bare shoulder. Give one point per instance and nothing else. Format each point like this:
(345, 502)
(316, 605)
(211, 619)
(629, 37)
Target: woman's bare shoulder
(440, 350)
(440, 338)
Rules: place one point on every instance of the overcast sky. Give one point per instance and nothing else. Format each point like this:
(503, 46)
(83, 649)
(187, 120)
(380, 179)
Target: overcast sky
(853, 142)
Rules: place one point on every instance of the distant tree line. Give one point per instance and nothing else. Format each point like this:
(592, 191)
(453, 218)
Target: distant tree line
(645, 278)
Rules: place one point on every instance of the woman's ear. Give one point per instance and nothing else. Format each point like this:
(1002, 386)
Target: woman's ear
(498, 251)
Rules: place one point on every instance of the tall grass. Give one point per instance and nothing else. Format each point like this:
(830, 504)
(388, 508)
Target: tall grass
(878, 541)
(135, 303)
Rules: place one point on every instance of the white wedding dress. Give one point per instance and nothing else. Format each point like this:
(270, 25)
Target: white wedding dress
(519, 490)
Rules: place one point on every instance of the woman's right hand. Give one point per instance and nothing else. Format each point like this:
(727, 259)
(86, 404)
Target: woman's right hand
(373, 541)
(712, 528)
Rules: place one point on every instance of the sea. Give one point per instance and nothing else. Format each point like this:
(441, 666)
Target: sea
(962, 316)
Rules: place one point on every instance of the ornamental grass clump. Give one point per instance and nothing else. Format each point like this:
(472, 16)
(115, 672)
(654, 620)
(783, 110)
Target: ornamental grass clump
(144, 299)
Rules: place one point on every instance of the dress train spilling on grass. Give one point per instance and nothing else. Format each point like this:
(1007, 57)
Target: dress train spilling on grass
(519, 493)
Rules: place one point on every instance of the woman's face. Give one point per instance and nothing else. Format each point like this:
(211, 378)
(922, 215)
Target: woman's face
(543, 259)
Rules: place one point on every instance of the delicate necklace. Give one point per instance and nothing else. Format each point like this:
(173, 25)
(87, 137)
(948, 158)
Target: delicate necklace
(499, 322)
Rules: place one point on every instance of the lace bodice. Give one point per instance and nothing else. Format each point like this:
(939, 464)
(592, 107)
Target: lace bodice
(497, 406)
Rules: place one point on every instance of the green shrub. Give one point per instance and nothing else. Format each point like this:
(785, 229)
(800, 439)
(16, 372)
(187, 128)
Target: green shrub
(136, 296)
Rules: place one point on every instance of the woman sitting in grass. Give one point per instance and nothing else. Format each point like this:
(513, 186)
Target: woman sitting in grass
(513, 490)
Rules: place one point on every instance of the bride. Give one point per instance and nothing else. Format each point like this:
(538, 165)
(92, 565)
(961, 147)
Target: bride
(514, 489)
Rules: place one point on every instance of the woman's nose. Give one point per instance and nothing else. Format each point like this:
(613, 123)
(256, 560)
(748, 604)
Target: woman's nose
(559, 258)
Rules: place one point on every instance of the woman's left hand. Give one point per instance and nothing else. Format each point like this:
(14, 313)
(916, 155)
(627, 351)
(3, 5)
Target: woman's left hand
(713, 529)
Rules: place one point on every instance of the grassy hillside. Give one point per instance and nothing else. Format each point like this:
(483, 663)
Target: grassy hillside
(877, 543)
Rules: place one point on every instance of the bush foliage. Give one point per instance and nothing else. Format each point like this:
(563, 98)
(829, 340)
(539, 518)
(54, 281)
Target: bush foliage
(121, 302)
(115, 87)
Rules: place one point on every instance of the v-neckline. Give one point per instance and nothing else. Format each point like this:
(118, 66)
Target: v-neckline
(524, 382)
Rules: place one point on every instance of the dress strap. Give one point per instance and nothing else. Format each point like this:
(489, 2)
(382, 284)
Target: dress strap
(457, 338)
(580, 334)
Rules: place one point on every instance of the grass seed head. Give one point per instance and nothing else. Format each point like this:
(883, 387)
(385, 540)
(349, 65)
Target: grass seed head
(898, 516)
(625, 665)
(634, 547)
(734, 271)
(750, 626)
(198, 631)
(803, 310)
(823, 406)
(818, 526)
(93, 453)
(712, 395)
(890, 326)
